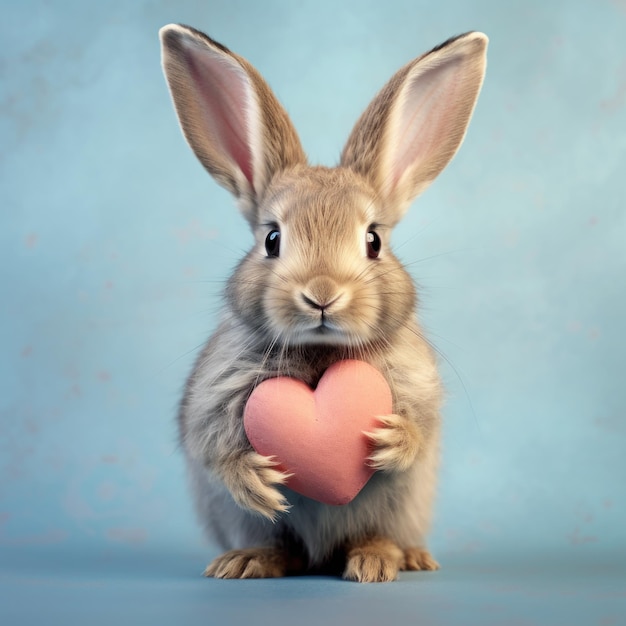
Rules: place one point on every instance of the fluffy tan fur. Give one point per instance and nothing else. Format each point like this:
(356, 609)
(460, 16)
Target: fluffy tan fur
(323, 298)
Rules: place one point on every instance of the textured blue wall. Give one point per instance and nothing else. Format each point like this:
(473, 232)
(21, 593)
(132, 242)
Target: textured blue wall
(114, 243)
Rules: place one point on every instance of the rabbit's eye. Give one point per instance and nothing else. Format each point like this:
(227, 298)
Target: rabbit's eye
(272, 243)
(373, 244)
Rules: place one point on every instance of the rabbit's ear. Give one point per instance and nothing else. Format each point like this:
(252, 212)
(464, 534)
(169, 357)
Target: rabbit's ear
(230, 117)
(417, 122)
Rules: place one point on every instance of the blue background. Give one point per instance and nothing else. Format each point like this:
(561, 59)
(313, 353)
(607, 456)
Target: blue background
(114, 244)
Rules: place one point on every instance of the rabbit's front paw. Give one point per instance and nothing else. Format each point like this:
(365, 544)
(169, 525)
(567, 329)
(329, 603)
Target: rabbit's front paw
(252, 481)
(395, 444)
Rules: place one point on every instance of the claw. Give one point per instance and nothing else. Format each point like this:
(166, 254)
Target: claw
(254, 486)
(395, 443)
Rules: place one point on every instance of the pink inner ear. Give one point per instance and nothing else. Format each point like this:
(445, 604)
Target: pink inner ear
(425, 117)
(225, 102)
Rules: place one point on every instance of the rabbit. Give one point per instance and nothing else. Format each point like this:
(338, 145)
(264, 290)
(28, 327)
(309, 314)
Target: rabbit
(319, 285)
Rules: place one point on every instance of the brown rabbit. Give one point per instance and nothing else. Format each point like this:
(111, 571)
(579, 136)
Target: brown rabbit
(319, 285)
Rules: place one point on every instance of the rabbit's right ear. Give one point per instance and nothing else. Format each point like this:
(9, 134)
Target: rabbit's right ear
(230, 117)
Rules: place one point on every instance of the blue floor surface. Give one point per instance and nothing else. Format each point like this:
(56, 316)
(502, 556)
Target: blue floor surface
(147, 588)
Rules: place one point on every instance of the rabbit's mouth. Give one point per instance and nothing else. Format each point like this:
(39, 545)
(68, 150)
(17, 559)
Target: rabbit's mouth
(325, 333)
(324, 329)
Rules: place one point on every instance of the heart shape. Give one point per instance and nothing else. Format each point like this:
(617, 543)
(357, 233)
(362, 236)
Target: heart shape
(318, 435)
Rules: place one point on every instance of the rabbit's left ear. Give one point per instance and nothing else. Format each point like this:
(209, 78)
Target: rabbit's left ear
(417, 122)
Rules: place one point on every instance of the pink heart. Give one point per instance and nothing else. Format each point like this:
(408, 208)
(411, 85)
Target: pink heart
(318, 435)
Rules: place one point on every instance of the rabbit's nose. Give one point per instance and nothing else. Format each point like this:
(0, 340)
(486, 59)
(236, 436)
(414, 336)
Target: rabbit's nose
(320, 293)
(320, 306)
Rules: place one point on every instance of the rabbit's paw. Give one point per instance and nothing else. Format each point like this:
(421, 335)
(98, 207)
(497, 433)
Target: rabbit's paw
(375, 560)
(419, 559)
(250, 563)
(395, 444)
(252, 481)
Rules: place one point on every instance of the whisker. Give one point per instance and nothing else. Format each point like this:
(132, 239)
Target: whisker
(182, 356)
(415, 330)
(266, 356)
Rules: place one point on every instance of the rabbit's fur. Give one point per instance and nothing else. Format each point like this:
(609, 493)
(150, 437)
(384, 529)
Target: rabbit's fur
(331, 290)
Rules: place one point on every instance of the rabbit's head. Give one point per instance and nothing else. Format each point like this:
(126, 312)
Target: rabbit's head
(321, 270)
